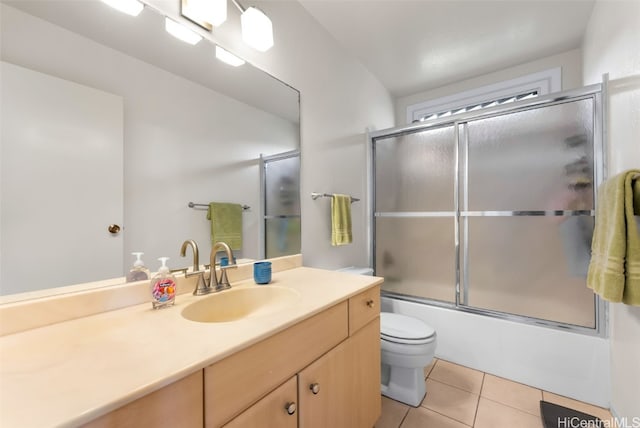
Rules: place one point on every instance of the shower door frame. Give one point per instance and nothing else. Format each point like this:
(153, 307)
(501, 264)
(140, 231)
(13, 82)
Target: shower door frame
(595, 92)
(264, 161)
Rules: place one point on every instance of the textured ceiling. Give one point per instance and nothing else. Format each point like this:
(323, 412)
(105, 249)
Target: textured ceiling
(412, 46)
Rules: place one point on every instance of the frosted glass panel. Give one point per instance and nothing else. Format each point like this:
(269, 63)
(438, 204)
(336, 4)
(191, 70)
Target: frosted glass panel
(282, 181)
(532, 266)
(416, 256)
(539, 159)
(415, 172)
(282, 237)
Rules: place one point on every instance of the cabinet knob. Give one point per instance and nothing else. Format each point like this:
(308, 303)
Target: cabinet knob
(315, 388)
(370, 303)
(113, 229)
(290, 408)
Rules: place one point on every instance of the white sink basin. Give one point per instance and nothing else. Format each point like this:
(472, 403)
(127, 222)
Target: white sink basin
(241, 303)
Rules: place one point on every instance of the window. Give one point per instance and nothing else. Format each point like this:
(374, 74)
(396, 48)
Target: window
(525, 87)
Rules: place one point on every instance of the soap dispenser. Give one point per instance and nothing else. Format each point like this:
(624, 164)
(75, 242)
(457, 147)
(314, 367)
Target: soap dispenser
(138, 272)
(163, 287)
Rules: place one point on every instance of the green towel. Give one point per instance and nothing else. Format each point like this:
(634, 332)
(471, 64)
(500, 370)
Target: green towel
(226, 224)
(614, 271)
(341, 220)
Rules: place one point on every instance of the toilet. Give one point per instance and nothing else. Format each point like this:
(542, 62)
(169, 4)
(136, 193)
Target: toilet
(407, 345)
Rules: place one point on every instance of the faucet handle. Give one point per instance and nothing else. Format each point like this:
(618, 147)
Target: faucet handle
(180, 270)
(188, 274)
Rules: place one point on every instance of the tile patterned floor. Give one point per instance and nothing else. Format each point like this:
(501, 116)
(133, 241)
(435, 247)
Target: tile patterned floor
(460, 397)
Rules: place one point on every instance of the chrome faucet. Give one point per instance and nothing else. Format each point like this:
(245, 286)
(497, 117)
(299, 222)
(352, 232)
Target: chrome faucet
(201, 286)
(216, 284)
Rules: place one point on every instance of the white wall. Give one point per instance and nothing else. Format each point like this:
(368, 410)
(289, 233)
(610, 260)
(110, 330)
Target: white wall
(570, 63)
(612, 45)
(339, 99)
(183, 142)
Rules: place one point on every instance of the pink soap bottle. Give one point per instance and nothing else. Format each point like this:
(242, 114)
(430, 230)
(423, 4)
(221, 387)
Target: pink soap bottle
(163, 287)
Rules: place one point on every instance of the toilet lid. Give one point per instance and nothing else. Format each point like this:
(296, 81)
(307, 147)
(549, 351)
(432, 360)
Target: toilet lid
(395, 327)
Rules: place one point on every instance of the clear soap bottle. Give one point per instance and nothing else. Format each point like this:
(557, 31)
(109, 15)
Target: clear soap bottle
(163, 287)
(138, 272)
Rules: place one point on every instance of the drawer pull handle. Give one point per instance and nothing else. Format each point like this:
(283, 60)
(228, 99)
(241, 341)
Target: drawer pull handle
(290, 408)
(370, 303)
(315, 388)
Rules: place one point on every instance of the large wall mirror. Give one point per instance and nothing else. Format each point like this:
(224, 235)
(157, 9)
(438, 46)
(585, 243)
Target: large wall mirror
(109, 120)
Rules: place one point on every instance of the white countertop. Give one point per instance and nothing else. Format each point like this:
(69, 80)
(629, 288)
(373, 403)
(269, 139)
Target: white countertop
(72, 372)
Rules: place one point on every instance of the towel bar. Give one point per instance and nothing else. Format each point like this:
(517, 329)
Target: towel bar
(192, 205)
(315, 196)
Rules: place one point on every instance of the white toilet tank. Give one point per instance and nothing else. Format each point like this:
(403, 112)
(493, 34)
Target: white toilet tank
(357, 270)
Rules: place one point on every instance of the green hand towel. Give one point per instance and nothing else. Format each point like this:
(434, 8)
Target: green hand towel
(341, 220)
(614, 271)
(226, 224)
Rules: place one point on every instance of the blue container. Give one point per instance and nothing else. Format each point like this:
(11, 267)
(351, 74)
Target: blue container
(224, 261)
(262, 272)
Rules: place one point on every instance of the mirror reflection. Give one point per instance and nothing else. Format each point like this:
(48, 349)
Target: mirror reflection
(111, 126)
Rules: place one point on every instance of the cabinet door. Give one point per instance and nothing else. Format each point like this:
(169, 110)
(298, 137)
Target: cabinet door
(342, 388)
(277, 410)
(364, 353)
(324, 390)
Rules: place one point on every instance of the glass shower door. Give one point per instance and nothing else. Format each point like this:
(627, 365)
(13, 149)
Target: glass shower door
(526, 212)
(281, 190)
(414, 213)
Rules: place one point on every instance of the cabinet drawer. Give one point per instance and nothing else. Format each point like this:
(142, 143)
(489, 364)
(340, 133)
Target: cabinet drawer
(236, 382)
(363, 308)
(176, 405)
(279, 409)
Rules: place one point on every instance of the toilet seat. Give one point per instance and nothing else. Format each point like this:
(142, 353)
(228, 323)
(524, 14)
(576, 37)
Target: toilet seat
(402, 329)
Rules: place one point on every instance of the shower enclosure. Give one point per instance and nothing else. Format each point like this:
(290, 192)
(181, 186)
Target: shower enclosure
(280, 184)
(492, 211)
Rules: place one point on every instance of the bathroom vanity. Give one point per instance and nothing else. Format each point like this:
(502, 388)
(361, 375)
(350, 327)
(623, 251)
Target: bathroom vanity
(313, 363)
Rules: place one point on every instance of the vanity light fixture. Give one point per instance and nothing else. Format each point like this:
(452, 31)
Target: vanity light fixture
(205, 13)
(227, 57)
(130, 7)
(181, 32)
(257, 30)
(212, 11)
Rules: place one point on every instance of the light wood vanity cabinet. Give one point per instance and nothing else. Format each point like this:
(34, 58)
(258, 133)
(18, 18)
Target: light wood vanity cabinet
(335, 368)
(176, 405)
(342, 388)
(279, 409)
(321, 372)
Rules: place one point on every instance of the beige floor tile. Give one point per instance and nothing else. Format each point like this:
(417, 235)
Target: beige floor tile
(458, 376)
(422, 418)
(430, 367)
(393, 412)
(580, 406)
(495, 415)
(450, 401)
(513, 394)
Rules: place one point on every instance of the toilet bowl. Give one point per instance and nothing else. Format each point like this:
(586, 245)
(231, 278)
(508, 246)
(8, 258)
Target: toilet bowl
(408, 346)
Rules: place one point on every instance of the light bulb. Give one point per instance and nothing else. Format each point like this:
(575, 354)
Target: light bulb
(130, 7)
(257, 30)
(181, 32)
(227, 57)
(212, 11)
